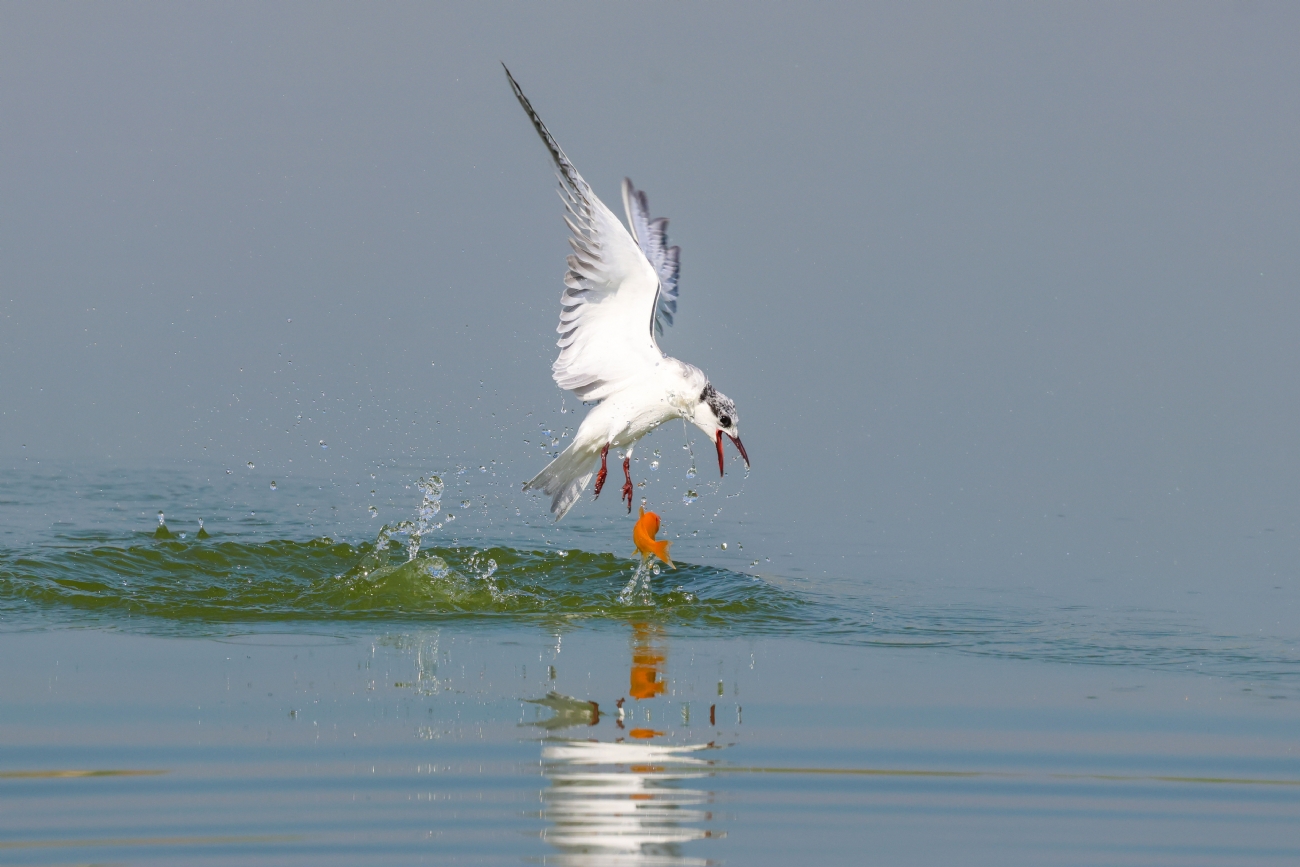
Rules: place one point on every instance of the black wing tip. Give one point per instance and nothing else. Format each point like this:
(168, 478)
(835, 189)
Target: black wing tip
(519, 94)
(569, 177)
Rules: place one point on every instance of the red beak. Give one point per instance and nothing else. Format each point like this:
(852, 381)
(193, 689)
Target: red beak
(721, 460)
(740, 448)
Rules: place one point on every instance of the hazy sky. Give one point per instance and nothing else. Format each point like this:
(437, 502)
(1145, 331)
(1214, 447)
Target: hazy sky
(965, 268)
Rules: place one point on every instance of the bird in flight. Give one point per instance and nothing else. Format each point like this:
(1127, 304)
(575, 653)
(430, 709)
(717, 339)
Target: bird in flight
(621, 291)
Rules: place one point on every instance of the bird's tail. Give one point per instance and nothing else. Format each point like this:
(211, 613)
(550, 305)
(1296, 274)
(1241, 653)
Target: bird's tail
(565, 478)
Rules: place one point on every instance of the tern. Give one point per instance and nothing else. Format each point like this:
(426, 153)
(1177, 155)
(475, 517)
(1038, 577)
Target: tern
(620, 292)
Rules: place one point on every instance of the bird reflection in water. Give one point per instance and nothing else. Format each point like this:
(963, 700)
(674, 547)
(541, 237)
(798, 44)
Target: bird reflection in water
(627, 800)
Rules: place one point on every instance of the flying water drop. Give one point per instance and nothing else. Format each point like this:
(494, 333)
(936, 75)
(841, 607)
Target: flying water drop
(273, 485)
(374, 513)
(250, 465)
(430, 504)
(690, 496)
(322, 444)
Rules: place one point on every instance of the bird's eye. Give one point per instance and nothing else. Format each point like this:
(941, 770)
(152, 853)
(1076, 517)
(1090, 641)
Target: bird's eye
(725, 421)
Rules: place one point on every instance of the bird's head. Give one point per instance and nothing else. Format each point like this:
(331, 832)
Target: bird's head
(715, 414)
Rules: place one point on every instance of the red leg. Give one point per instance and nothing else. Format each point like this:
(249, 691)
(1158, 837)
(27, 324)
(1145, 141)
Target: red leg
(600, 477)
(627, 484)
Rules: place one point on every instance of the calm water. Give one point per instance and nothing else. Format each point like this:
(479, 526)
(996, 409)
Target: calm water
(309, 684)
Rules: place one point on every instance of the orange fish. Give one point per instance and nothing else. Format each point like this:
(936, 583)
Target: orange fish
(643, 536)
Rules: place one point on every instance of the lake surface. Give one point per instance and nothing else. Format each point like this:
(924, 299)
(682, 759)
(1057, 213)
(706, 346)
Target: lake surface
(1005, 296)
(291, 689)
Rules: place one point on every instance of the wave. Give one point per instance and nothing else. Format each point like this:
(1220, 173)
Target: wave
(205, 587)
(322, 579)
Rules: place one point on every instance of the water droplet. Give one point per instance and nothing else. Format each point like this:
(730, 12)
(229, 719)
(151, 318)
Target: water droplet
(374, 513)
(322, 444)
(228, 472)
(724, 546)
(200, 523)
(482, 469)
(690, 497)
(450, 517)
(372, 475)
(273, 485)
(464, 504)
(654, 465)
(655, 570)
(690, 474)
(250, 465)
(160, 518)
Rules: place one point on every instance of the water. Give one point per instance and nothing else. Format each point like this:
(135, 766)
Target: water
(290, 685)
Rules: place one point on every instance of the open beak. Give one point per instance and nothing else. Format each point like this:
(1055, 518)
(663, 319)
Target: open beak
(722, 460)
(740, 448)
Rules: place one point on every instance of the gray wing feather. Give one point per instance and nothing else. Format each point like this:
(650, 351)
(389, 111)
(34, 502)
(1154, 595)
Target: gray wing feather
(652, 237)
(609, 287)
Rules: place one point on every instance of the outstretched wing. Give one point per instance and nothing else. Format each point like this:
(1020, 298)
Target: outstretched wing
(652, 236)
(607, 311)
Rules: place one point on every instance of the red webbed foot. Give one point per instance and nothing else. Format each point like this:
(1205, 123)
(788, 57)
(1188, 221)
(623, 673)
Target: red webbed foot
(600, 477)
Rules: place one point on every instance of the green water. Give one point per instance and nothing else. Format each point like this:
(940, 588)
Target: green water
(218, 581)
(305, 684)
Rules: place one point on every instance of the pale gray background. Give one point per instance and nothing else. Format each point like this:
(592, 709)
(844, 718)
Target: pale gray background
(1006, 293)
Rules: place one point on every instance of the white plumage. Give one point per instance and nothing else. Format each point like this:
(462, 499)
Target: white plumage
(620, 290)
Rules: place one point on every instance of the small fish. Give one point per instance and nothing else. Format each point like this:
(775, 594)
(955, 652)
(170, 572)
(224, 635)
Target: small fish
(643, 536)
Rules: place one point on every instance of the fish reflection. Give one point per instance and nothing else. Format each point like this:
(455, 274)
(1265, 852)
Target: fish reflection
(648, 656)
(629, 800)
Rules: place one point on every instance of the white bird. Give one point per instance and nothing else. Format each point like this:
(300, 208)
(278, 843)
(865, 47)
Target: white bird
(621, 291)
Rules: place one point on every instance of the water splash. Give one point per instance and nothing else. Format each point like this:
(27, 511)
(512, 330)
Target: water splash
(640, 582)
(430, 504)
(686, 432)
(425, 519)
